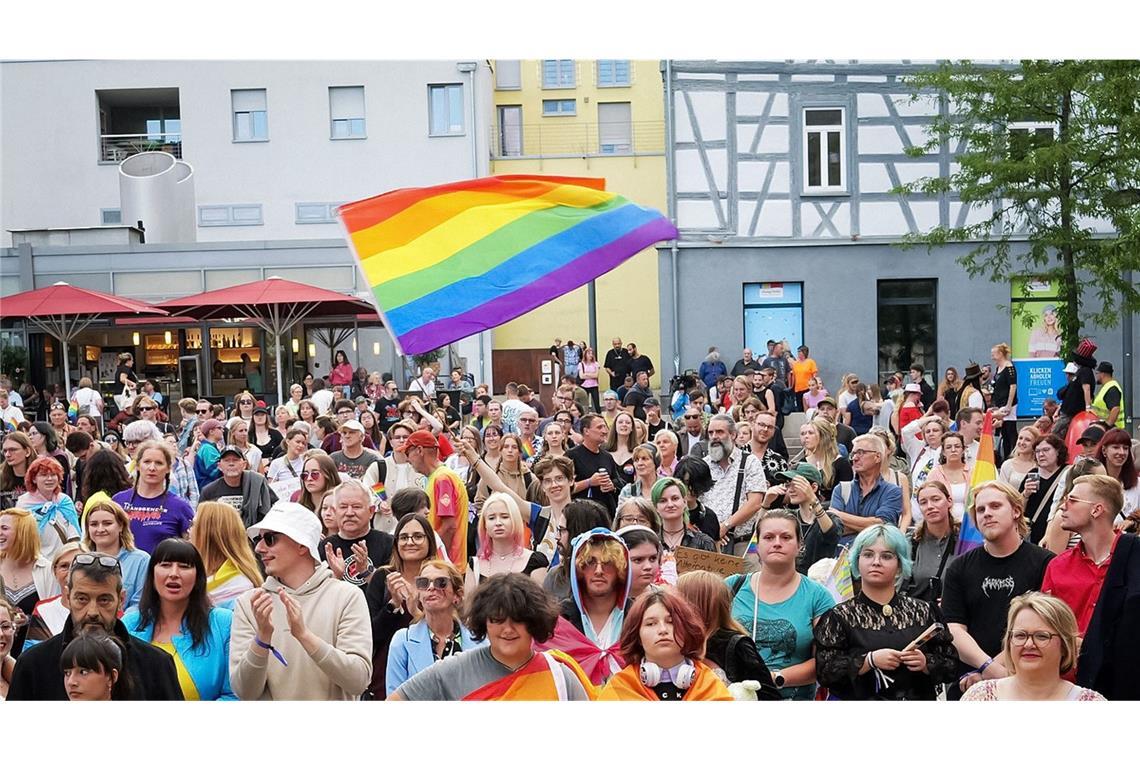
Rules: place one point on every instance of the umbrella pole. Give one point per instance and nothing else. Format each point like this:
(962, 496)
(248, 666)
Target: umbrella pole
(66, 369)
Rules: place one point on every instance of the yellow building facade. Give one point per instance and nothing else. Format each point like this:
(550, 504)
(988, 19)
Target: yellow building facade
(589, 118)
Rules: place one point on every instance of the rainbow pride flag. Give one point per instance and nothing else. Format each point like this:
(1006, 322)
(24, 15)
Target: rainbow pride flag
(528, 449)
(379, 492)
(449, 261)
(839, 581)
(969, 537)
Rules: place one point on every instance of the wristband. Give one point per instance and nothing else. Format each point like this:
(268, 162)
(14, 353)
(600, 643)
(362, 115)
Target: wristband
(272, 649)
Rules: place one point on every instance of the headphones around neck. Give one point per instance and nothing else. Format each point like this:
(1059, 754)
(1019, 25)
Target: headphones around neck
(683, 675)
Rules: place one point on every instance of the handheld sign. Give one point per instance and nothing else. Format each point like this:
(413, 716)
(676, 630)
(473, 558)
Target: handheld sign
(723, 565)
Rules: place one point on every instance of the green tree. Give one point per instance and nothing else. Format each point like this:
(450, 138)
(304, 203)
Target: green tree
(1050, 150)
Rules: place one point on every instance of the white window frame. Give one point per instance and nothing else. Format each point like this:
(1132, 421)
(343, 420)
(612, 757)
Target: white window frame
(104, 213)
(613, 69)
(462, 117)
(316, 212)
(560, 64)
(231, 215)
(513, 65)
(362, 118)
(560, 112)
(824, 131)
(500, 149)
(1032, 126)
(235, 113)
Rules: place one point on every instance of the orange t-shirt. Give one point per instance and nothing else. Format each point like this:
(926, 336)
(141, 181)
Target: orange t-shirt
(804, 371)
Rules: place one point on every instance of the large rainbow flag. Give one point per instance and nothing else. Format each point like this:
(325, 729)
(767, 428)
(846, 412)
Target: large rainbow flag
(985, 470)
(452, 260)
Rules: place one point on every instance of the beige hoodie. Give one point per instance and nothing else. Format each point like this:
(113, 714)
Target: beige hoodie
(337, 613)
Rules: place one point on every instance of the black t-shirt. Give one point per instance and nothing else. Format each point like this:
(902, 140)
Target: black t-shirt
(617, 359)
(1112, 398)
(1072, 398)
(655, 429)
(641, 363)
(271, 450)
(978, 588)
(379, 546)
(354, 468)
(635, 397)
(219, 490)
(586, 463)
(389, 411)
(130, 373)
(452, 414)
(1002, 383)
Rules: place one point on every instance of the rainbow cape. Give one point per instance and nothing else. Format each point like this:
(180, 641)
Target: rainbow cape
(532, 683)
(449, 261)
(626, 686)
(969, 537)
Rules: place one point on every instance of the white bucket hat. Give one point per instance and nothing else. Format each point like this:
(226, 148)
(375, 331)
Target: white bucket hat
(293, 520)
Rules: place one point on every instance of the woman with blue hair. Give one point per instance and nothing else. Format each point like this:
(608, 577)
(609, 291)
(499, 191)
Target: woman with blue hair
(866, 647)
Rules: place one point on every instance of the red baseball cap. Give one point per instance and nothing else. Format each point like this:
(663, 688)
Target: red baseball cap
(420, 438)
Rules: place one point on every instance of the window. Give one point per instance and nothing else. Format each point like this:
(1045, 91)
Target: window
(445, 107)
(773, 311)
(613, 73)
(907, 326)
(508, 75)
(317, 212)
(251, 120)
(559, 107)
(111, 216)
(510, 130)
(1025, 136)
(346, 113)
(233, 215)
(824, 150)
(558, 74)
(615, 130)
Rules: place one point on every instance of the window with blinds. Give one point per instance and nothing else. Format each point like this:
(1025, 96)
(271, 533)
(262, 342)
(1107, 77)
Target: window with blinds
(346, 113)
(615, 128)
(250, 115)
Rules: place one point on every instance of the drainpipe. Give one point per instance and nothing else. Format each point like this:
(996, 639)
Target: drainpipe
(472, 68)
(671, 201)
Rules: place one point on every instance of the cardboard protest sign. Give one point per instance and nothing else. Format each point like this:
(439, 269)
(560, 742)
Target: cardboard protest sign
(723, 565)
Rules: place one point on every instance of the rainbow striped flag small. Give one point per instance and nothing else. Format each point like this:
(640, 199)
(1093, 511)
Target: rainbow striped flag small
(839, 582)
(969, 537)
(528, 449)
(379, 492)
(449, 261)
(752, 549)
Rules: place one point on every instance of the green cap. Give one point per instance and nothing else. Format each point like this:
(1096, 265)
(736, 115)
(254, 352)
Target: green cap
(808, 471)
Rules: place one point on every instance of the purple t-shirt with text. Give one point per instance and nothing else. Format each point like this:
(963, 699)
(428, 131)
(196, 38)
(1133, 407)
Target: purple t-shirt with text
(153, 519)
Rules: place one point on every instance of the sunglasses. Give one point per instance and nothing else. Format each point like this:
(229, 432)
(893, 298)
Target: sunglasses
(91, 559)
(203, 411)
(269, 538)
(58, 405)
(110, 439)
(423, 584)
(147, 408)
(691, 416)
(245, 402)
(310, 474)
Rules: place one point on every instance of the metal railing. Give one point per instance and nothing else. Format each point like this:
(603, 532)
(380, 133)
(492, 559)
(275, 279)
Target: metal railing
(115, 148)
(577, 138)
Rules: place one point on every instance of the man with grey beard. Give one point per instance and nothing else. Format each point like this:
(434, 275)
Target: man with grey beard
(738, 486)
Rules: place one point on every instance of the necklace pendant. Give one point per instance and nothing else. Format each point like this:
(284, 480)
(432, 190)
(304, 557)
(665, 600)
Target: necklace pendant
(887, 610)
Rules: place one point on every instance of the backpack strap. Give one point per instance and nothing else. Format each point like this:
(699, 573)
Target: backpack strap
(739, 480)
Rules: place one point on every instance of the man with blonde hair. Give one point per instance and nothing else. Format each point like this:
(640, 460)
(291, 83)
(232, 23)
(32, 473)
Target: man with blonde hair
(980, 584)
(1077, 575)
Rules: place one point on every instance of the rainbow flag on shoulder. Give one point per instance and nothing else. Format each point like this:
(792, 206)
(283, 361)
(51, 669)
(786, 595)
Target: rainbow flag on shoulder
(969, 537)
(449, 261)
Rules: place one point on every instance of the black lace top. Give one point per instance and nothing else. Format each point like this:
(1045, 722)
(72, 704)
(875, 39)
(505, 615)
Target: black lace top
(845, 634)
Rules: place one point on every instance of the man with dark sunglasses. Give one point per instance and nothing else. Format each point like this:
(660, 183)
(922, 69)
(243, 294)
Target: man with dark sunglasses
(693, 436)
(94, 596)
(303, 635)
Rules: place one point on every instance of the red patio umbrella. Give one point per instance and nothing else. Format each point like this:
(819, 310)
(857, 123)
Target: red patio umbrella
(273, 304)
(63, 311)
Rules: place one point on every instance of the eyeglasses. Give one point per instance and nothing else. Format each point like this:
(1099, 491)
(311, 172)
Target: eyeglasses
(1071, 498)
(555, 480)
(269, 538)
(90, 559)
(763, 426)
(1040, 638)
(245, 402)
(412, 538)
(861, 452)
(691, 417)
(310, 474)
(133, 443)
(561, 530)
(423, 584)
(633, 520)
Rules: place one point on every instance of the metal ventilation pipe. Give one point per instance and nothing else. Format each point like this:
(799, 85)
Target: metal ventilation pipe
(158, 190)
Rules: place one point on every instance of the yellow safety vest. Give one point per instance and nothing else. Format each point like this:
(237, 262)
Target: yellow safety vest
(1102, 409)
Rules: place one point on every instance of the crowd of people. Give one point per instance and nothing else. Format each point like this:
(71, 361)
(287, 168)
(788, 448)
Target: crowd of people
(442, 542)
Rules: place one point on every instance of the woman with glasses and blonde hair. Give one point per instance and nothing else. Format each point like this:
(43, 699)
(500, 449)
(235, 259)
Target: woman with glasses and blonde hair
(437, 633)
(231, 569)
(953, 471)
(1040, 645)
(638, 510)
(318, 477)
(244, 403)
(107, 529)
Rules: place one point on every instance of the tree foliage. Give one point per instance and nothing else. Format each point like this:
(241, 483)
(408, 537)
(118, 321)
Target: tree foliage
(1056, 194)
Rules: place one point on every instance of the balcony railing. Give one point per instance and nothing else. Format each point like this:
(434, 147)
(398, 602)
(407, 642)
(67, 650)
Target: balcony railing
(571, 137)
(115, 148)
